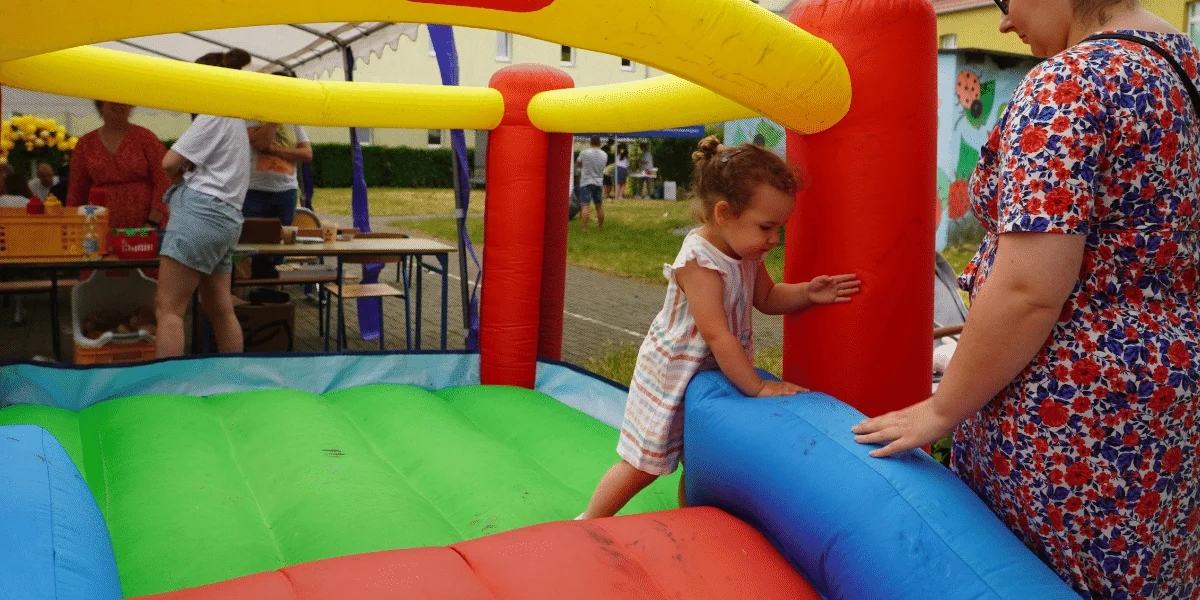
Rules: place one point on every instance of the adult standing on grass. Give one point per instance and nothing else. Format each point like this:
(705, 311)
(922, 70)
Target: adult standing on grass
(645, 164)
(609, 169)
(1074, 386)
(591, 178)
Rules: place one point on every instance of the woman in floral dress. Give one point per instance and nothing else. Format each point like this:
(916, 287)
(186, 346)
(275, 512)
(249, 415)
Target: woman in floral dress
(1074, 388)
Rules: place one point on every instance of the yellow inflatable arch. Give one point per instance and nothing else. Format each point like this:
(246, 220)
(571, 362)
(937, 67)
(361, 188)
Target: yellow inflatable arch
(732, 58)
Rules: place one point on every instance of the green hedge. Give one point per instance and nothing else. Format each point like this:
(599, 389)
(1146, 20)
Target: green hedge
(22, 161)
(384, 166)
(673, 156)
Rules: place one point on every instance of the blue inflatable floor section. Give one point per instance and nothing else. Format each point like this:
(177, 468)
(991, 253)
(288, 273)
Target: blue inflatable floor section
(859, 528)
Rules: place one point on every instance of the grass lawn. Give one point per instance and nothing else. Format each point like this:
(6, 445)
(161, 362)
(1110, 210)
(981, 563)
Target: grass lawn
(395, 202)
(959, 256)
(638, 237)
(617, 360)
(637, 240)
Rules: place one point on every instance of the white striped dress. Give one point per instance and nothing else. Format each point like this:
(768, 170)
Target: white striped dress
(673, 352)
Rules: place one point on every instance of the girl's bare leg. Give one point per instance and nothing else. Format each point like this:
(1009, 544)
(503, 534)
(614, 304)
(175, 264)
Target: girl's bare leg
(617, 488)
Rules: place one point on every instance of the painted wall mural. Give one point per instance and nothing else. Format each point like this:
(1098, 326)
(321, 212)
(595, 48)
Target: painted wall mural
(757, 130)
(973, 91)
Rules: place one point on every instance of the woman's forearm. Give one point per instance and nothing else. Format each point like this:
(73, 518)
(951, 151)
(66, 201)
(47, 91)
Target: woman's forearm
(292, 155)
(1005, 331)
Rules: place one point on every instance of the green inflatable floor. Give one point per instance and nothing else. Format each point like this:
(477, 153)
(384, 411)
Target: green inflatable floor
(197, 490)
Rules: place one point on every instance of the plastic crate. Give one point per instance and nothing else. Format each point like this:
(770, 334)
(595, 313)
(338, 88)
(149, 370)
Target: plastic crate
(115, 290)
(134, 244)
(32, 236)
(116, 353)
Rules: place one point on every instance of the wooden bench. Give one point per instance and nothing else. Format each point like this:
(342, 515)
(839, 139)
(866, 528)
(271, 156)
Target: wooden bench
(40, 286)
(34, 287)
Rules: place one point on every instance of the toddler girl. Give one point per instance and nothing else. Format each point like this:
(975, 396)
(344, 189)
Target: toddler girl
(745, 195)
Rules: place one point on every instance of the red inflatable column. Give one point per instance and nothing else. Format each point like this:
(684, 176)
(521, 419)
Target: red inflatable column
(554, 258)
(515, 221)
(867, 210)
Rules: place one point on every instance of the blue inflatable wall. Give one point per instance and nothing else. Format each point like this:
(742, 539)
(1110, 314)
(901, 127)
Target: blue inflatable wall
(858, 528)
(54, 544)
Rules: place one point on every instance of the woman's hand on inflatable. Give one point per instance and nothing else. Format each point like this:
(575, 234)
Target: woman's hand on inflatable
(779, 388)
(914, 427)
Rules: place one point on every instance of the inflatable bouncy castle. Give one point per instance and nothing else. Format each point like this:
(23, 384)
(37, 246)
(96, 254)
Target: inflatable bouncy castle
(454, 475)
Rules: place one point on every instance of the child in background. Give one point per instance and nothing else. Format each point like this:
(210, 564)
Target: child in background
(745, 194)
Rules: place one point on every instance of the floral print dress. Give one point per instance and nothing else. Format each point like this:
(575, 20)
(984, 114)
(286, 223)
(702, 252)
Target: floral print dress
(1090, 454)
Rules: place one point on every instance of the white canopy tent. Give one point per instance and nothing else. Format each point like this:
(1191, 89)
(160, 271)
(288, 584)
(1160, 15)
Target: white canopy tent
(310, 51)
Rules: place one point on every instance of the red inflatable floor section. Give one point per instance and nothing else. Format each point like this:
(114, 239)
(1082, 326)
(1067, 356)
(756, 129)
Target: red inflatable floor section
(695, 553)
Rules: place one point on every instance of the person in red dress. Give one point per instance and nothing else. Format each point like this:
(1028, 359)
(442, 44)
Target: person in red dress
(124, 160)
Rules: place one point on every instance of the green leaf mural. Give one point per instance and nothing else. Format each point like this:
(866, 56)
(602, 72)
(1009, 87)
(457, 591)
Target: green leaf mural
(771, 135)
(968, 157)
(943, 184)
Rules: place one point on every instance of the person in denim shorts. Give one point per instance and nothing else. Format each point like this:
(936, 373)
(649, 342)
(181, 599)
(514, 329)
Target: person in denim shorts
(213, 160)
(591, 177)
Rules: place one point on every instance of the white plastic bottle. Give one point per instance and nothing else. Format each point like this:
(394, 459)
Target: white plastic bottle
(91, 239)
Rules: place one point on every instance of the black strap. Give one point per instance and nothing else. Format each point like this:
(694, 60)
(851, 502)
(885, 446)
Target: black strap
(1187, 81)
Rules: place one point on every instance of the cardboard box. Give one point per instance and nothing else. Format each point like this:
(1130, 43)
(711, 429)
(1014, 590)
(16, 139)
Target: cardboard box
(266, 327)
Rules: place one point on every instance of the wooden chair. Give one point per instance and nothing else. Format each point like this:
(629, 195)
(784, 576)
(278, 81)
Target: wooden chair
(306, 219)
(369, 290)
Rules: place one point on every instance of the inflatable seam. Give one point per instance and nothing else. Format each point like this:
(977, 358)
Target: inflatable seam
(921, 514)
(398, 472)
(103, 472)
(50, 502)
(295, 593)
(249, 488)
(659, 592)
(467, 561)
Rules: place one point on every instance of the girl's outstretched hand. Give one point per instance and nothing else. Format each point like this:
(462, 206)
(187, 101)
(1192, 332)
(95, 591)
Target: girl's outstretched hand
(833, 289)
(779, 388)
(916, 426)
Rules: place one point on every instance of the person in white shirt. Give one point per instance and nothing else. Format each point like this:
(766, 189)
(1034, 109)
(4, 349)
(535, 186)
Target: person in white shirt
(40, 185)
(645, 166)
(212, 158)
(591, 180)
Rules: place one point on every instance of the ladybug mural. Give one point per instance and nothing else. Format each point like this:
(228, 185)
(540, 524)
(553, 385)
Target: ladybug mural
(967, 90)
(975, 97)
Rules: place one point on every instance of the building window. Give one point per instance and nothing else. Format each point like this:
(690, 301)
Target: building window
(626, 64)
(366, 135)
(1194, 21)
(504, 44)
(435, 138)
(949, 41)
(567, 56)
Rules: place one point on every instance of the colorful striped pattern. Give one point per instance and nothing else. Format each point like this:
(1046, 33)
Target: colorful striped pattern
(673, 352)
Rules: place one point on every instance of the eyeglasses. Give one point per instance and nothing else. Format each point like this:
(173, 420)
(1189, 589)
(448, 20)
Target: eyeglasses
(1003, 4)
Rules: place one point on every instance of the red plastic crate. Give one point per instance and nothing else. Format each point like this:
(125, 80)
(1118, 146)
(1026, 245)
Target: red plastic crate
(133, 244)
